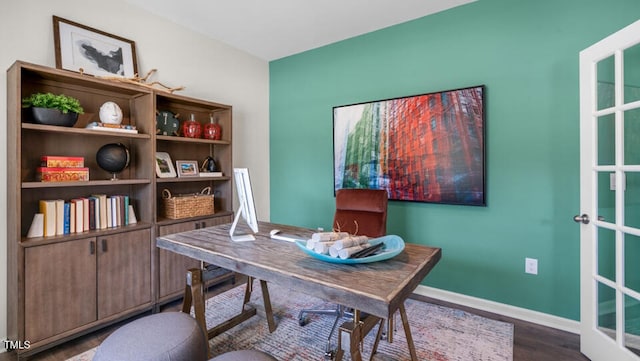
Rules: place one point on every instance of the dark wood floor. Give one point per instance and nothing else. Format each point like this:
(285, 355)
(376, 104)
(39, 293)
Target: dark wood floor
(532, 342)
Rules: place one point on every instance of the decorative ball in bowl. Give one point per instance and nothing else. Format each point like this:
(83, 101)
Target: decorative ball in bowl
(114, 158)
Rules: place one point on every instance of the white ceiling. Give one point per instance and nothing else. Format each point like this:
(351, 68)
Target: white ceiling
(272, 29)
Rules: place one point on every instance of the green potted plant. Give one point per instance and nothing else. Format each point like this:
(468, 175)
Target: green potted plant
(51, 109)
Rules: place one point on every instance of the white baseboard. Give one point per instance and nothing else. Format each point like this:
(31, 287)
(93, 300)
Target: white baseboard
(524, 314)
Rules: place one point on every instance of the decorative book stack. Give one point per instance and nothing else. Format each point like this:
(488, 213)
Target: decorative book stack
(62, 169)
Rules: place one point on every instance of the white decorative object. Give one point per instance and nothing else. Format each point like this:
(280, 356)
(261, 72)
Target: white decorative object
(37, 226)
(132, 215)
(110, 113)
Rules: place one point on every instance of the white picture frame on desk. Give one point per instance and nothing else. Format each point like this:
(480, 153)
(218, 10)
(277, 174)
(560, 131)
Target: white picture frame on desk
(164, 165)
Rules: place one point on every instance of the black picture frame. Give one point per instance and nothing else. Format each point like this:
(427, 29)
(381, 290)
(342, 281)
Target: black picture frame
(86, 50)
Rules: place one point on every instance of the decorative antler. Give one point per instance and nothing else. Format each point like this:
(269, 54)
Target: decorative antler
(142, 81)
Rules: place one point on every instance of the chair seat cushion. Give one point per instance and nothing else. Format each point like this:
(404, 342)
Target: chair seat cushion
(166, 336)
(244, 355)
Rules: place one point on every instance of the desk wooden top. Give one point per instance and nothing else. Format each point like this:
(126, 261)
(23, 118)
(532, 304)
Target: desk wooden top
(377, 288)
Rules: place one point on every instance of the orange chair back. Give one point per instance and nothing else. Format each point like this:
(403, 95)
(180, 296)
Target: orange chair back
(361, 212)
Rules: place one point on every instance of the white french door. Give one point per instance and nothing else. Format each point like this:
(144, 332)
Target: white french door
(610, 197)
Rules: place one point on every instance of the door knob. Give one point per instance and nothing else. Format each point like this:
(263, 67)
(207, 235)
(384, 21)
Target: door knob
(584, 219)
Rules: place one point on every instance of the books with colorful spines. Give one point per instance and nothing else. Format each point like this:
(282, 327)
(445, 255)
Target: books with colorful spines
(59, 217)
(85, 214)
(48, 208)
(72, 217)
(67, 218)
(79, 214)
(125, 210)
(102, 200)
(92, 213)
(114, 212)
(109, 213)
(118, 210)
(123, 207)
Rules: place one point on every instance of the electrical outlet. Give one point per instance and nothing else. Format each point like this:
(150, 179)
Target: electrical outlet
(531, 266)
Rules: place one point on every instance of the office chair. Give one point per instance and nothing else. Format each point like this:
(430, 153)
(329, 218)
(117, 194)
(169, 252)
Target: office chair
(361, 212)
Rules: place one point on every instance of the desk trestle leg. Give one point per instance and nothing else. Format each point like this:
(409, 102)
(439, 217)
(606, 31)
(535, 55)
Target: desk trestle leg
(194, 296)
(266, 301)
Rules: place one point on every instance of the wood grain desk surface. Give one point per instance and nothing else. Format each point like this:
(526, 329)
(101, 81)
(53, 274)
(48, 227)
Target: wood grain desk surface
(377, 288)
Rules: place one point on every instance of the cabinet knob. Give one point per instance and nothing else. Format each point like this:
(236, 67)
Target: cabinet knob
(92, 248)
(104, 245)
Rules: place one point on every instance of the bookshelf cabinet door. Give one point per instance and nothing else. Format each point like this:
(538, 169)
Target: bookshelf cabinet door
(60, 283)
(124, 272)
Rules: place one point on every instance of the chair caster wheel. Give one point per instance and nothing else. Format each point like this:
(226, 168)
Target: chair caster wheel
(329, 355)
(302, 321)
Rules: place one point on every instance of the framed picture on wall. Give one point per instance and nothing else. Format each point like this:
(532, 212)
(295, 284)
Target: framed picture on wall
(86, 50)
(423, 148)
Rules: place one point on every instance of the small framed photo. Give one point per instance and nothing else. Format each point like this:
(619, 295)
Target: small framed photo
(86, 50)
(187, 168)
(164, 165)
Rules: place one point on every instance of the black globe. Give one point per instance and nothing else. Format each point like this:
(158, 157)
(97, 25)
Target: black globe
(113, 157)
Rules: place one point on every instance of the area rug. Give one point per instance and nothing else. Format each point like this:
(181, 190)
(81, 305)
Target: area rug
(439, 333)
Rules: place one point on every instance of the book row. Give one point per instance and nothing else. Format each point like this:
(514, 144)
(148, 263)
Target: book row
(59, 217)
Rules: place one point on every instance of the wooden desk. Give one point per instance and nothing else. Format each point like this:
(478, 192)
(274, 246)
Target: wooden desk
(378, 289)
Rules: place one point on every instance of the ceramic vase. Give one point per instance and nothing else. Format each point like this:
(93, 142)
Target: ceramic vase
(213, 131)
(191, 128)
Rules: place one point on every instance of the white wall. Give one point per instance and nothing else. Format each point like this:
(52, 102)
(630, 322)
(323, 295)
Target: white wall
(207, 68)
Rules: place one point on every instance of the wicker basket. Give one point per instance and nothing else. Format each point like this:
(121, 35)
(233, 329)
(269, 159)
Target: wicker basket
(187, 205)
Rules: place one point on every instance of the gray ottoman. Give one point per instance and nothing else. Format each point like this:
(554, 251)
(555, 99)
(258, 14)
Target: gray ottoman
(167, 336)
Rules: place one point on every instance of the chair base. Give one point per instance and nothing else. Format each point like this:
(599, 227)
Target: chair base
(341, 312)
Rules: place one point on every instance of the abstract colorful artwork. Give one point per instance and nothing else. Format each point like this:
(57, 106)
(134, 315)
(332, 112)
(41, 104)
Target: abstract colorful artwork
(424, 148)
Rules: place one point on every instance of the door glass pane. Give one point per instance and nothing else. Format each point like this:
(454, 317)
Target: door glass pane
(632, 137)
(606, 140)
(632, 199)
(606, 198)
(606, 93)
(632, 74)
(607, 254)
(631, 264)
(607, 310)
(632, 324)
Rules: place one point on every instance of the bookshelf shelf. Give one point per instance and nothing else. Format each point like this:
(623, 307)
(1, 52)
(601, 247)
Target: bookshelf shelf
(94, 183)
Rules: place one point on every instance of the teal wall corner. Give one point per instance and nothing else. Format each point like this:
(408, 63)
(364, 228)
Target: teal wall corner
(526, 54)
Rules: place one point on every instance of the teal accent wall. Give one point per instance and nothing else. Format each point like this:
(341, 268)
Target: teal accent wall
(526, 53)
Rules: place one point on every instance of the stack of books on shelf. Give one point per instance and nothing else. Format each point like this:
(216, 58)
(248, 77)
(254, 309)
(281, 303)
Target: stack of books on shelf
(210, 174)
(122, 128)
(99, 211)
(62, 169)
